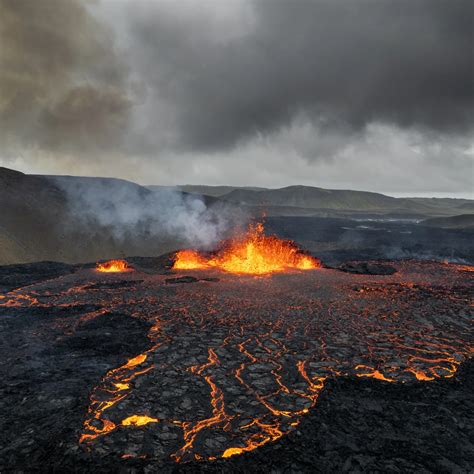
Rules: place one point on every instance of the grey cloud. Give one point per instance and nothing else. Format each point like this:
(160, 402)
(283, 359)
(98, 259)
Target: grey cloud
(264, 92)
(62, 86)
(344, 64)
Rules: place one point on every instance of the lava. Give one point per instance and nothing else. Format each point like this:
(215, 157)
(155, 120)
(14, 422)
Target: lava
(113, 266)
(190, 430)
(253, 253)
(233, 364)
(118, 387)
(138, 420)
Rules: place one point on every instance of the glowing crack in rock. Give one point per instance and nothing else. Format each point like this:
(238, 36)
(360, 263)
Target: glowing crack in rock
(235, 364)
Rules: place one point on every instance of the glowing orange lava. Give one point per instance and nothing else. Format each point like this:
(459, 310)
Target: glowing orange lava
(139, 420)
(465, 268)
(113, 266)
(254, 253)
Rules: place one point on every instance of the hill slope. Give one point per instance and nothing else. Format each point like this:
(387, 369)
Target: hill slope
(74, 219)
(30, 222)
(319, 198)
(307, 200)
(215, 191)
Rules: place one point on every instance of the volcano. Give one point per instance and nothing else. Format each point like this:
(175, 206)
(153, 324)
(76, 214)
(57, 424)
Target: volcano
(137, 367)
(253, 253)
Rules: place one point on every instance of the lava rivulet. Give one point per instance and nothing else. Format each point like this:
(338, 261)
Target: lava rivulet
(236, 363)
(253, 253)
(113, 266)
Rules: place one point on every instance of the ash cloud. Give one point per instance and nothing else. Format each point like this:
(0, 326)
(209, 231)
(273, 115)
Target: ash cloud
(342, 64)
(215, 92)
(63, 88)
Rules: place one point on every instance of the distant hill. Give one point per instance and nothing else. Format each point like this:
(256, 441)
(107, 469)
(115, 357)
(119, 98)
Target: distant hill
(48, 218)
(120, 187)
(93, 183)
(309, 197)
(32, 209)
(79, 219)
(467, 206)
(444, 203)
(314, 201)
(463, 221)
(215, 191)
(332, 201)
(307, 200)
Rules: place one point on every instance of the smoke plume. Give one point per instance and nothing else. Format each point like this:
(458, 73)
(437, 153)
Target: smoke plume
(128, 211)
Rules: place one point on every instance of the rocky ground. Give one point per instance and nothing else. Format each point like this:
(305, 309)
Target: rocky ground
(373, 426)
(325, 371)
(338, 240)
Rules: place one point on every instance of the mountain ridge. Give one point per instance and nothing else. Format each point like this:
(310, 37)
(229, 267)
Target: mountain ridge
(302, 198)
(41, 214)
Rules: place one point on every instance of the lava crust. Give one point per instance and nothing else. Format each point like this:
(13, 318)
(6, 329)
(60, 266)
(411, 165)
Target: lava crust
(107, 370)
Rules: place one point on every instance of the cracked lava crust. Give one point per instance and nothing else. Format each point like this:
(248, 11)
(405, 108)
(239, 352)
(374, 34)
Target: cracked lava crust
(235, 361)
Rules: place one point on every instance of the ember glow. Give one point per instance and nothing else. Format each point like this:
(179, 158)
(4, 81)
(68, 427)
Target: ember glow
(254, 253)
(234, 364)
(113, 266)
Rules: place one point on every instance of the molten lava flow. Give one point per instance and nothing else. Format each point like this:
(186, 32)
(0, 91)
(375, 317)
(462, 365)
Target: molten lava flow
(219, 415)
(374, 373)
(234, 366)
(138, 420)
(189, 260)
(95, 424)
(465, 268)
(254, 253)
(113, 266)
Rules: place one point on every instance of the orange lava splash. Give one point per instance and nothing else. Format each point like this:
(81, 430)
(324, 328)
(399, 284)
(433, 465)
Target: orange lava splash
(113, 266)
(253, 253)
(190, 260)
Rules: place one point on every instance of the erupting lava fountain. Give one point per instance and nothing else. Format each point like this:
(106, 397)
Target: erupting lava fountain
(113, 266)
(253, 253)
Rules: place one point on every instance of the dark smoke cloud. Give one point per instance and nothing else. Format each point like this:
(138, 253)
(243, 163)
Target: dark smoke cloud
(62, 87)
(366, 94)
(343, 64)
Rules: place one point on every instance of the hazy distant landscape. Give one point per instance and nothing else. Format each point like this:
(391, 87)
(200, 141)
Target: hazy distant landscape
(295, 199)
(74, 219)
(236, 236)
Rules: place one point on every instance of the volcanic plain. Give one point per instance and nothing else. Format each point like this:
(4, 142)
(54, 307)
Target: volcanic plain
(157, 370)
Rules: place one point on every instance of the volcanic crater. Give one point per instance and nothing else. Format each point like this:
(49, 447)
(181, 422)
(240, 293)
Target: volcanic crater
(165, 367)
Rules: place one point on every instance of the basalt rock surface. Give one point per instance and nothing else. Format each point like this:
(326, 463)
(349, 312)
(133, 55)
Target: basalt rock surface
(183, 279)
(365, 268)
(319, 371)
(15, 276)
(372, 426)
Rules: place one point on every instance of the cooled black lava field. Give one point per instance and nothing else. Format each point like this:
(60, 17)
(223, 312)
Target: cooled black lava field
(305, 371)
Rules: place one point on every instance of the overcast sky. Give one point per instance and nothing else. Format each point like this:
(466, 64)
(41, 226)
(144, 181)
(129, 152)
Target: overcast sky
(362, 94)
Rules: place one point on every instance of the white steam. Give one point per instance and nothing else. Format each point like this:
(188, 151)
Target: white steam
(127, 210)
